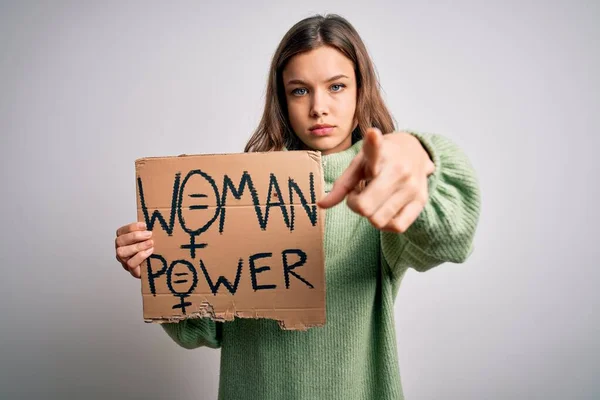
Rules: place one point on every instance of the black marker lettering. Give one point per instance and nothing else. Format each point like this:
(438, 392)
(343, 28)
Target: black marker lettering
(287, 269)
(310, 211)
(192, 246)
(245, 180)
(255, 271)
(156, 215)
(182, 294)
(214, 288)
(153, 275)
(274, 185)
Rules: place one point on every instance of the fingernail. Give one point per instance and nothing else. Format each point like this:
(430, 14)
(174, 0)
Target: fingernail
(150, 250)
(147, 234)
(150, 243)
(142, 225)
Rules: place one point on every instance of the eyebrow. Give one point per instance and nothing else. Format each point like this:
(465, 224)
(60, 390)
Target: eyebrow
(333, 78)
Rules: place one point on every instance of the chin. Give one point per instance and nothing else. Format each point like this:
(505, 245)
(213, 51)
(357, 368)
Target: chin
(326, 144)
(322, 144)
(334, 145)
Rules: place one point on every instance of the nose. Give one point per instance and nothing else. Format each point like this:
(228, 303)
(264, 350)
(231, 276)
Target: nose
(319, 104)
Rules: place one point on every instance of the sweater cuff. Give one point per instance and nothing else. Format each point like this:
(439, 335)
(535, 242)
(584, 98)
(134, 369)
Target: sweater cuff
(445, 228)
(434, 155)
(195, 332)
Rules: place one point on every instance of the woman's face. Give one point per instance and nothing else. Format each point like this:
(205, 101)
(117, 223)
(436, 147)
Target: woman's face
(320, 89)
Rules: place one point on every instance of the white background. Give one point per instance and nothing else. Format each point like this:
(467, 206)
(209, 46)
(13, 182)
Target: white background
(88, 87)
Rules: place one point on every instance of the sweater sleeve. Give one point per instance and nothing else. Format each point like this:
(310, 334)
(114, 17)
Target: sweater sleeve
(195, 332)
(445, 229)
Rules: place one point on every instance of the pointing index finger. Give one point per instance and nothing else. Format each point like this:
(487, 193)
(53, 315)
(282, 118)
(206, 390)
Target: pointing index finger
(372, 150)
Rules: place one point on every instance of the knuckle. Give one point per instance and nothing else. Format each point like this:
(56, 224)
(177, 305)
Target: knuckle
(122, 230)
(421, 196)
(140, 236)
(132, 262)
(399, 226)
(395, 230)
(412, 184)
(140, 246)
(361, 206)
(378, 222)
(400, 169)
(391, 228)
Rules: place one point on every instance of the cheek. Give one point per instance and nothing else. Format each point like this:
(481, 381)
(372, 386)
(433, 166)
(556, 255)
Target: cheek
(298, 110)
(293, 113)
(349, 108)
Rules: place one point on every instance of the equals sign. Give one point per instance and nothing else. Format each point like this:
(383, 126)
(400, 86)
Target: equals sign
(198, 207)
(181, 280)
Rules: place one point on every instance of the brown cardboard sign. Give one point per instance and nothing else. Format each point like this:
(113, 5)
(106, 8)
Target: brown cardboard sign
(235, 235)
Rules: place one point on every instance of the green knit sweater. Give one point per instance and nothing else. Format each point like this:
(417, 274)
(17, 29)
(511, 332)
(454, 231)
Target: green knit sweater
(354, 356)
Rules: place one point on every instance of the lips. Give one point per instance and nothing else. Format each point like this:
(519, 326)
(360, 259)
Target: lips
(321, 129)
(320, 126)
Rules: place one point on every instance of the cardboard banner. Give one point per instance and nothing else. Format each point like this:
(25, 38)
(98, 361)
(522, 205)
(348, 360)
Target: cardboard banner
(235, 235)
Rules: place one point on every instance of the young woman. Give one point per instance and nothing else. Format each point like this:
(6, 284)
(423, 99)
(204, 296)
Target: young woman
(419, 209)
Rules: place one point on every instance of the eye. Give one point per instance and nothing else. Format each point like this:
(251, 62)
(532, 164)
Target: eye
(298, 92)
(337, 85)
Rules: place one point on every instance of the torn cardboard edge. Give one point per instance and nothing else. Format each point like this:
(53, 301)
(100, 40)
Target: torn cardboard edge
(207, 311)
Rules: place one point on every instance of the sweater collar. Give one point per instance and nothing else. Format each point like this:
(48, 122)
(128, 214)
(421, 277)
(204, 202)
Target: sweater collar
(335, 164)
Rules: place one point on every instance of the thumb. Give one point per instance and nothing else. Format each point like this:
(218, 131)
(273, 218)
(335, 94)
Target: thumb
(372, 150)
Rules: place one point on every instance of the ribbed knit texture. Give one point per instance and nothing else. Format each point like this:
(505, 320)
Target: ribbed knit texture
(354, 356)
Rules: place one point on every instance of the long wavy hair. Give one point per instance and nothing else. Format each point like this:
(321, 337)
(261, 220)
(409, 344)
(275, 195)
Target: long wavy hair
(274, 132)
